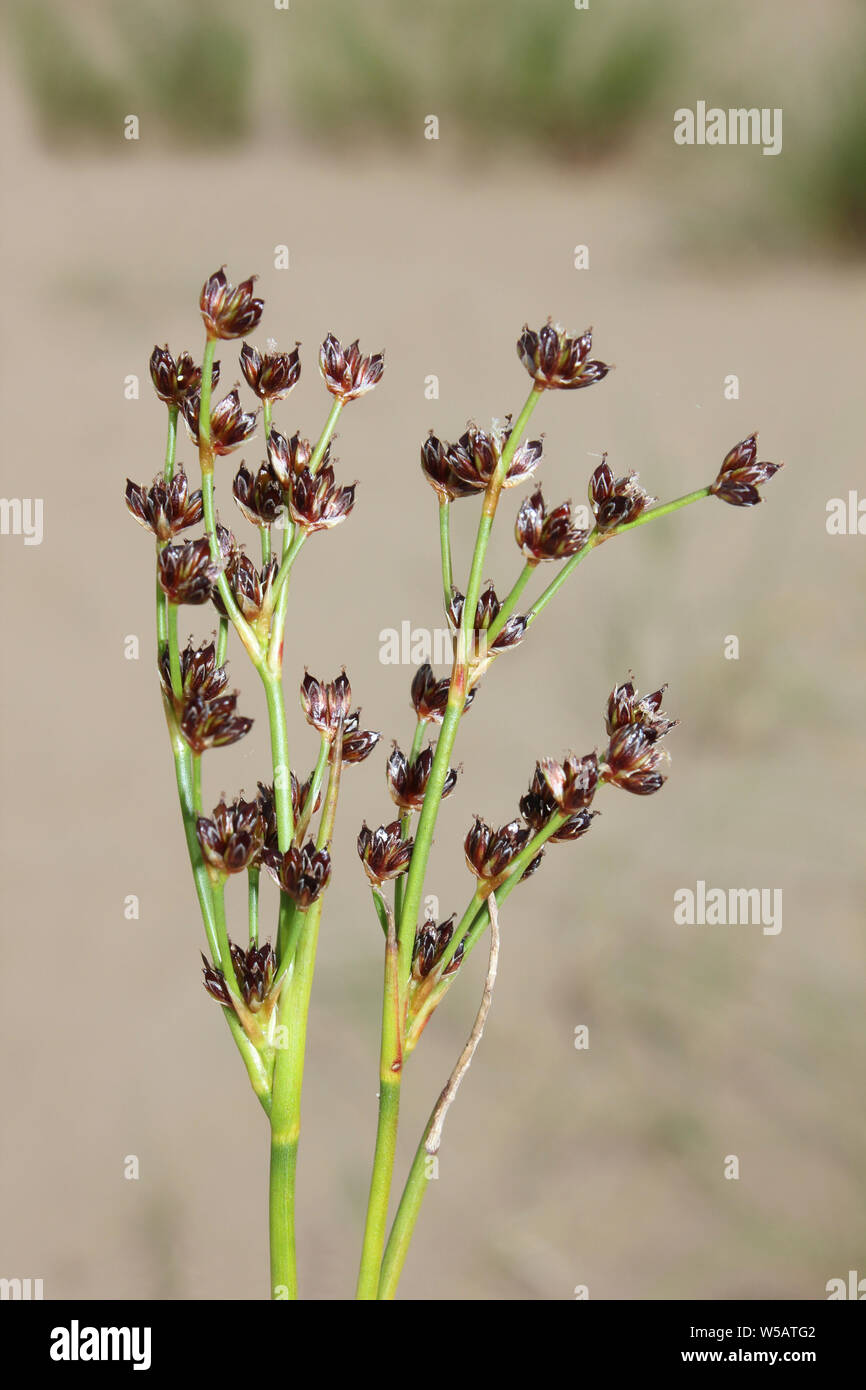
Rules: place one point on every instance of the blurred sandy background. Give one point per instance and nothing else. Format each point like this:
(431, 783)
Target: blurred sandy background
(559, 1167)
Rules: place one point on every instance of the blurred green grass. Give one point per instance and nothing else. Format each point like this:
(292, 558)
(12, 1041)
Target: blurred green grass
(569, 87)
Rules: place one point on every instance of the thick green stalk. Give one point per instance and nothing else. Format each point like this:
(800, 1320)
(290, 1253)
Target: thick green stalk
(289, 1071)
(390, 1068)
(253, 876)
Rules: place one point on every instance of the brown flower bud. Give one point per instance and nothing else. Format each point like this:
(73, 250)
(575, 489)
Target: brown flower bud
(273, 375)
(358, 743)
(303, 871)
(229, 312)
(173, 381)
(185, 571)
(233, 836)
(407, 782)
(547, 536)
(538, 805)
(486, 613)
(215, 983)
(260, 498)
(615, 502)
(624, 707)
(254, 969)
(199, 673)
(556, 361)
(430, 696)
(252, 588)
(316, 503)
(489, 853)
(289, 457)
(437, 469)
(430, 942)
(473, 460)
(212, 723)
(165, 508)
(632, 761)
(741, 474)
(326, 705)
(230, 425)
(572, 783)
(383, 852)
(346, 373)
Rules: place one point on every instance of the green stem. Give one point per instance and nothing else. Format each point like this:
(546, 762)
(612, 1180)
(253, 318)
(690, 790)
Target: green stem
(196, 783)
(279, 758)
(445, 548)
(390, 1068)
(253, 876)
(596, 537)
(325, 437)
(289, 1072)
(510, 603)
(174, 650)
(222, 640)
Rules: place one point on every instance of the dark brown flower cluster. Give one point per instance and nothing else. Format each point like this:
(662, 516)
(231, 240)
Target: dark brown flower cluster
(616, 501)
(230, 424)
(544, 535)
(486, 612)
(327, 705)
(431, 941)
(232, 838)
(199, 674)
(270, 375)
(634, 758)
(174, 380)
(259, 496)
(303, 872)
(464, 468)
(741, 474)
(186, 573)
(491, 853)
(383, 852)
(430, 695)
(556, 361)
(229, 312)
(254, 969)
(539, 805)
(407, 781)
(289, 457)
(252, 588)
(345, 372)
(206, 715)
(165, 508)
(316, 501)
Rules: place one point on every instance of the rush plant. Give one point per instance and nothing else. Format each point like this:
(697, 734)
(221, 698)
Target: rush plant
(262, 981)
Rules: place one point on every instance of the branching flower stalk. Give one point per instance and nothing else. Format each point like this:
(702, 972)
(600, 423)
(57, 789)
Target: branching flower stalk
(264, 987)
